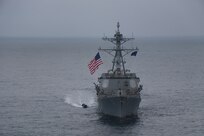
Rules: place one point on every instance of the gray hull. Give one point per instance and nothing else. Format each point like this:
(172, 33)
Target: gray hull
(119, 106)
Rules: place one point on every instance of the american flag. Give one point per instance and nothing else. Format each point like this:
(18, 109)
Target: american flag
(95, 63)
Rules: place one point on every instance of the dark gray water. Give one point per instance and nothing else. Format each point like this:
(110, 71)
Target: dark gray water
(44, 82)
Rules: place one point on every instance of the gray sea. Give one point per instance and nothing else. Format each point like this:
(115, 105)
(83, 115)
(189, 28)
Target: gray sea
(43, 83)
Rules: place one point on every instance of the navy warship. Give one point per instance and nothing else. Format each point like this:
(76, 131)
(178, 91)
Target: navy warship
(118, 90)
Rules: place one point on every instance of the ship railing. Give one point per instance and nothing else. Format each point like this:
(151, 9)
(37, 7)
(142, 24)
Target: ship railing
(116, 93)
(118, 77)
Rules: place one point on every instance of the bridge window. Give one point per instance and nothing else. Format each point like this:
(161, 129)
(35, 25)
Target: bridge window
(126, 83)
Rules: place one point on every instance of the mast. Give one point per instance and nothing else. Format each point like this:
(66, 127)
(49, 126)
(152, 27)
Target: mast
(118, 66)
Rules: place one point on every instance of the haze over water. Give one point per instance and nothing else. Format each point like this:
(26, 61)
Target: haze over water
(43, 82)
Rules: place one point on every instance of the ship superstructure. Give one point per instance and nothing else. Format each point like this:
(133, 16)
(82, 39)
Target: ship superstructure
(118, 90)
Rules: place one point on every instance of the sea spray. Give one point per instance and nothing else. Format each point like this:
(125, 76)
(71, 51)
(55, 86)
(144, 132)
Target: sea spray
(80, 97)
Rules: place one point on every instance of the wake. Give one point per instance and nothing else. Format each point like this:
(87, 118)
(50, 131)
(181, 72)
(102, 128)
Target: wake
(78, 98)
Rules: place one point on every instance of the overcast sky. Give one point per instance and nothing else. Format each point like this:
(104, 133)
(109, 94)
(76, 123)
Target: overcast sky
(93, 18)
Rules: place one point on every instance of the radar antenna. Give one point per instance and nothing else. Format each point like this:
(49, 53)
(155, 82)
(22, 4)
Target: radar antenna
(118, 52)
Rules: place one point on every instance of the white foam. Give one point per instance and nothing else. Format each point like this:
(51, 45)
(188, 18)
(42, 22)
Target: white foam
(78, 98)
(70, 101)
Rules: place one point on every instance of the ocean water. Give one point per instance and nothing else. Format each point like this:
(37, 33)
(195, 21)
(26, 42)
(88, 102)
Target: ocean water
(43, 83)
